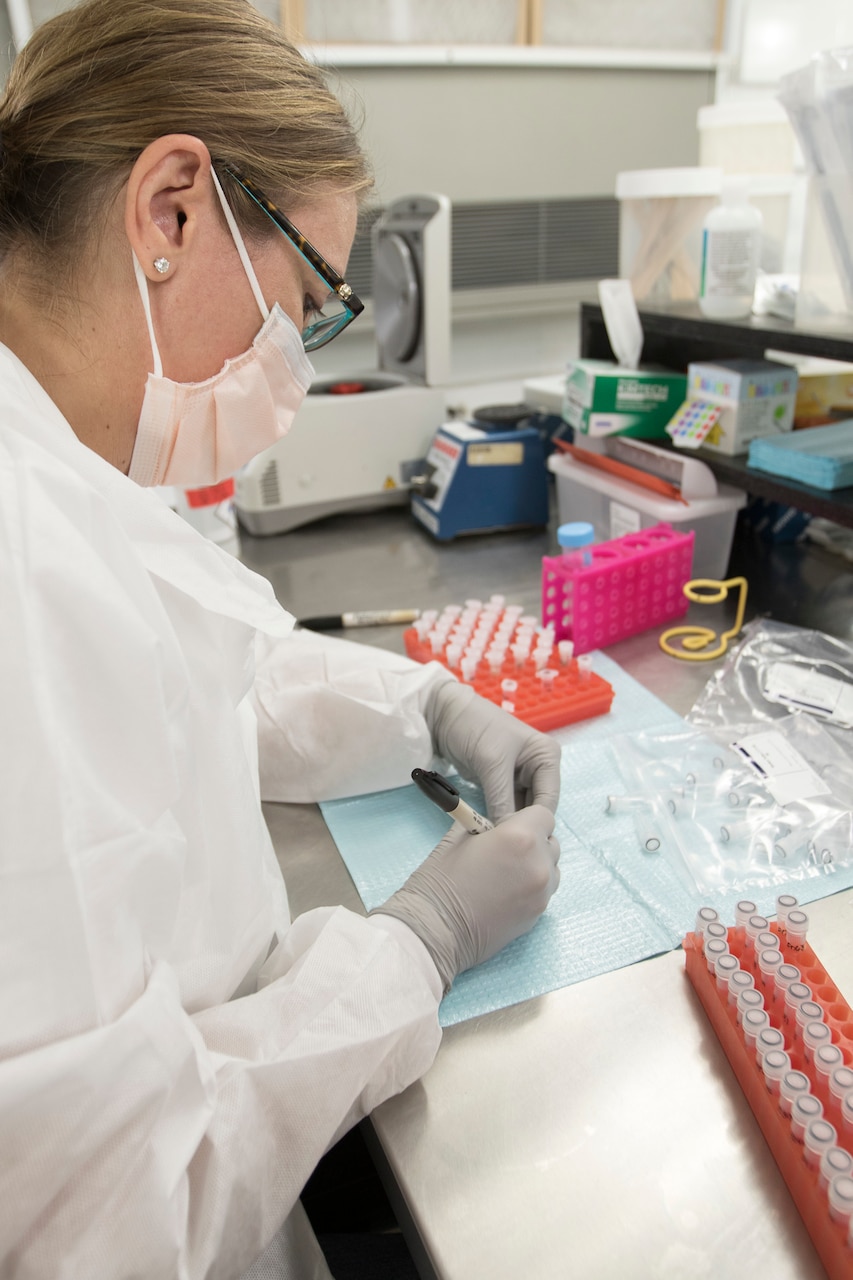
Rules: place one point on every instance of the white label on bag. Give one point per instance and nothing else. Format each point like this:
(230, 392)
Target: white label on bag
(808, 690)
(787, 776)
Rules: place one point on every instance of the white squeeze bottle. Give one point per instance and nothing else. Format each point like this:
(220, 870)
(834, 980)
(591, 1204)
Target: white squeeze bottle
(731, 244)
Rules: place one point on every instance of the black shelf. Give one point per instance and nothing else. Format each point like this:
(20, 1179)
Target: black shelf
(677, 335)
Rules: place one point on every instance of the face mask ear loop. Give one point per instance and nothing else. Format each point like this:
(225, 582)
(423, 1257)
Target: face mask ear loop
(241, 248)
(142, 285)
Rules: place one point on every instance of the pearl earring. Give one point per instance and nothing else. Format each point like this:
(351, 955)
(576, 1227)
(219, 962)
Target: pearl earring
(162, 265)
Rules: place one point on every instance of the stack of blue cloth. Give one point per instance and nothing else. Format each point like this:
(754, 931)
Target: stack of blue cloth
(819, 456)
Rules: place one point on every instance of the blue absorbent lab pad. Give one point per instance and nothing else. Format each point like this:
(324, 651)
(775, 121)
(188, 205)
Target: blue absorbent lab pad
(819, 456)
(615, 904)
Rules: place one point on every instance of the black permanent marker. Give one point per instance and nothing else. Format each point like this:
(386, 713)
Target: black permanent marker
(437, 789)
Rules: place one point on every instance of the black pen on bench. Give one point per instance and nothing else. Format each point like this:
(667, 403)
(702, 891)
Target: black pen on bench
(359, 618)
(441, 792)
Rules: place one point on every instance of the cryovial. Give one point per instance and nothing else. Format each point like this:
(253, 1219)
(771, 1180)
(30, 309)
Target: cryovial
(714, 948)
(834, 1160)
(749, 998)
(768, 1038)
(819, 1136)
(796, 928)
(753, 1022)
(705, 916)
(826, 1058)
(784, 903)
(840, 1196)
(804, 1108)
(724, 966)
(814, 1035)
(774, 1064)
(741, 980)
(792, 1085)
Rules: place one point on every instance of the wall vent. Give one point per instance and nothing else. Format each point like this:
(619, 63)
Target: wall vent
(516, 242)
(269, 487)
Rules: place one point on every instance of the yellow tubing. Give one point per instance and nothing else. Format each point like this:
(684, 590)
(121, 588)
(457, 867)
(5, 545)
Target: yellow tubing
(696, 637)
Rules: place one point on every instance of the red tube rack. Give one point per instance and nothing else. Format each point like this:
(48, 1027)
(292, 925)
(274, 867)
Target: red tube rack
(829, 1237)
(575, 694)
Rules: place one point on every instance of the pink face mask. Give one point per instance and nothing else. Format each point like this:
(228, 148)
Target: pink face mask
(197, 433)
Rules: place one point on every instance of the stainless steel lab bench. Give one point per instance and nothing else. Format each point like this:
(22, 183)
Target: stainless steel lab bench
(597, 1131)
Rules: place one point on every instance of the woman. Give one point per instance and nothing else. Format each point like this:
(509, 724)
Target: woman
(175, 1056)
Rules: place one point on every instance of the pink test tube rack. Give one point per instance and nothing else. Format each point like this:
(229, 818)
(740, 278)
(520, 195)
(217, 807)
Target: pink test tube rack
(630, 584)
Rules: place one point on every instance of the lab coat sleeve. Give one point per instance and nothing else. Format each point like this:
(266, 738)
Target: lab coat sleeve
(337, 718)
(167, 1145)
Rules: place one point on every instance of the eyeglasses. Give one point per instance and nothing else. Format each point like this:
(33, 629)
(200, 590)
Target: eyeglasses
(340, 305)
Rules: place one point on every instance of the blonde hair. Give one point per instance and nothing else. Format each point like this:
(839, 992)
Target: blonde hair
(96, 84)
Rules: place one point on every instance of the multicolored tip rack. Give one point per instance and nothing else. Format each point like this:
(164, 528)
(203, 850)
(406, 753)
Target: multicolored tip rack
(788, 1033)
(605, 592)
(508, 658)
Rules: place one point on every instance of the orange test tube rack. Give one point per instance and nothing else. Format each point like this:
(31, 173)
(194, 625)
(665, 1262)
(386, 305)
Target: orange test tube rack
(829, 1237)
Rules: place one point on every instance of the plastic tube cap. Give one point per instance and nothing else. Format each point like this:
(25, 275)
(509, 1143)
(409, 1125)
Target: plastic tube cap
(578, 533)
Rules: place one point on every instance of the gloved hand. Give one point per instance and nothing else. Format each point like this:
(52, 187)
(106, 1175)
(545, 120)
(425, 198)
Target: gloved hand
(514, 764)
(474, 894)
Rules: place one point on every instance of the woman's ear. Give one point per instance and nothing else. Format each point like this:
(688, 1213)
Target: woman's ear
(168, 191)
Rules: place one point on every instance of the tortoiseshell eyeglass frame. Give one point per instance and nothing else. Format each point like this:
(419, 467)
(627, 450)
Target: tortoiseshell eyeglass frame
(321, 331)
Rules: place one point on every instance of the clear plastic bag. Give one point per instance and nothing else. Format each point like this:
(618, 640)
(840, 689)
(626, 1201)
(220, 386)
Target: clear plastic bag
(774, 665)
(739, 807)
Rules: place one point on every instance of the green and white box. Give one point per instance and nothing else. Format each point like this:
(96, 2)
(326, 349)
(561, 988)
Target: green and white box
(758, 398)
(605, 399)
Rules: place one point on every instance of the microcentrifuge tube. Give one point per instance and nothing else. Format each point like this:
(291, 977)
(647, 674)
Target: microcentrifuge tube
(716, 929)
(548, 675)
(650, 842)
(705, 916)
(508, 706)
(774, 1064)
(804, 1108)
(509, 687)
(834, 1160)
(815, 1034)
(796, 928)
(585, 667)
(792, 1085)
(767, 940)
(566, 651)
(819, 1136)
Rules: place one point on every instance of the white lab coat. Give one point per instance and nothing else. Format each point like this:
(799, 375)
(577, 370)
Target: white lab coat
(175, 1056)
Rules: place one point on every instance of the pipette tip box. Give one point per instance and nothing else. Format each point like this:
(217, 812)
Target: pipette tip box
(829, 1235)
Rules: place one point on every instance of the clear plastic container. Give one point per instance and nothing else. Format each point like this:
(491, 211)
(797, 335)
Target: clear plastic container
(660, 230)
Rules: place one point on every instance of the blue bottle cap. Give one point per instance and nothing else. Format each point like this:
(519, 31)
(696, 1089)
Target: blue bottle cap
(577, 534)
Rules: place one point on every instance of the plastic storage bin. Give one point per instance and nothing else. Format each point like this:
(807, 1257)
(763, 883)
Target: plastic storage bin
(614, 507)
(660, 230)
(747, 137)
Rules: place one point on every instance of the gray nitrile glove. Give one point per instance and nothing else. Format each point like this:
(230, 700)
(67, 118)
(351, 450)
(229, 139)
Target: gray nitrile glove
(514, 764)
(474, 894)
